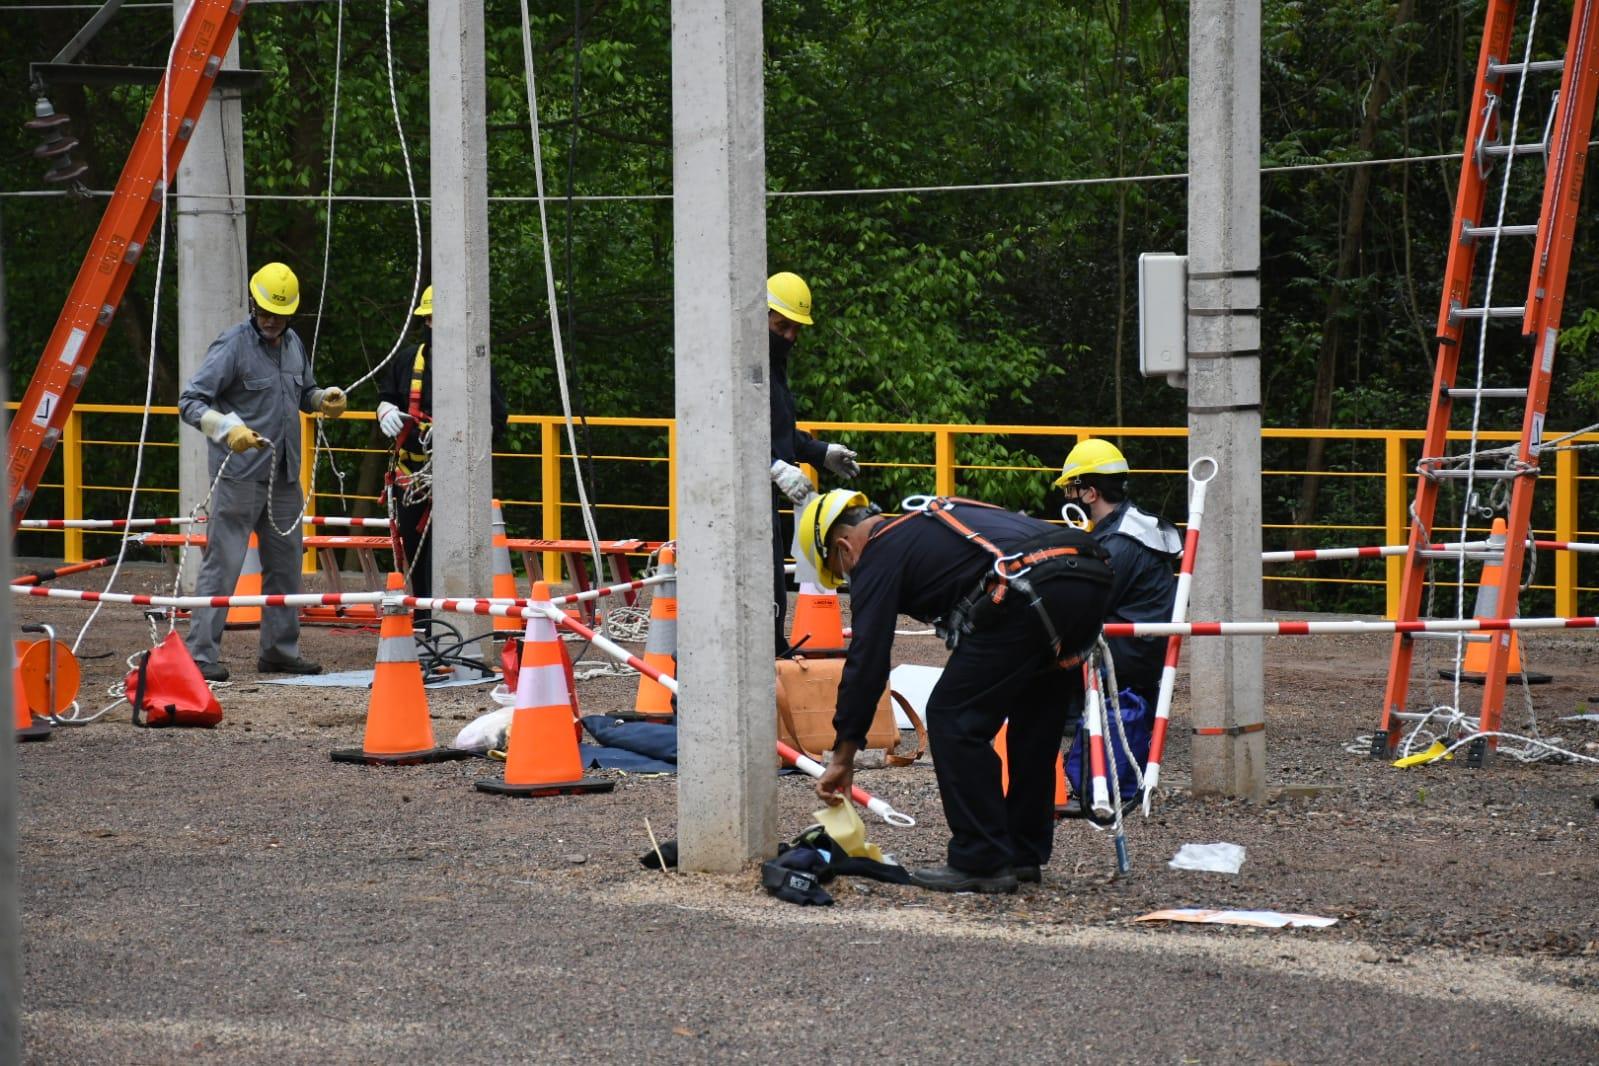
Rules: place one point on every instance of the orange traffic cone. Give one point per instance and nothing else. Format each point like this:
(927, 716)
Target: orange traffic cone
(1475, 666)
(542, 757)
(398, 729)
(1002, 749)
(818, 627)
(249, 585)
(504, 586)
(660, 646)
(28, 727)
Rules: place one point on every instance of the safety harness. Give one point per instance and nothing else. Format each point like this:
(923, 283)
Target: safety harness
(417, 425)
(1060, 553)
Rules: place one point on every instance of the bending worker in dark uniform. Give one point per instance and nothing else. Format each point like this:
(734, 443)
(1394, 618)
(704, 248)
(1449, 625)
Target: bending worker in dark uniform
(788, 303)
(1144, 552)
(405, 398)
(247, 397)
(1015, 659)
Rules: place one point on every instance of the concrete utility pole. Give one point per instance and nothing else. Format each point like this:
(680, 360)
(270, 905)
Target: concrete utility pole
(1229, 744)
(726, 788)
(213, 264)
(463, 466)
(10, 921)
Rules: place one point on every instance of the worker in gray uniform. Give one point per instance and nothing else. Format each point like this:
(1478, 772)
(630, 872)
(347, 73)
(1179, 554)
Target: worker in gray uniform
(246, 397)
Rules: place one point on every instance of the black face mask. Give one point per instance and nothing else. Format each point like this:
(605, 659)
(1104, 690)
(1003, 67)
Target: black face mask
(781, 346)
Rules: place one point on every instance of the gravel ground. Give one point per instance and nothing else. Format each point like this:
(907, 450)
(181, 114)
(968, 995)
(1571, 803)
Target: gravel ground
(232, 896)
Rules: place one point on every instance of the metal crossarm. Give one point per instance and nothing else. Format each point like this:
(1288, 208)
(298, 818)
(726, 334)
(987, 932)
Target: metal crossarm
(197, 55)
(1564, 150)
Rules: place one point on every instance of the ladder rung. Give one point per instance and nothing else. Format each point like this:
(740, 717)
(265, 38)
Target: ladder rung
(1471, 638)
(1537, 66)
(1538, 148)
(1487, 312)
(1503, 231)
(1444, 553)
(1488, 394)
(1460, 473)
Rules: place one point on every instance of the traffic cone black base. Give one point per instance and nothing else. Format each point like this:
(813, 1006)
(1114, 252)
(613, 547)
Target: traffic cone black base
(411, 758)
(39, 730)
(554, 788)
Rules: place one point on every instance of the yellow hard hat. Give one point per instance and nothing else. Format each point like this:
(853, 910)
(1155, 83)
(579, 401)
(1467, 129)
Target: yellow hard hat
(789, 296)
(816, 520)
(1092, 456)
(275, 289)
(426, 306)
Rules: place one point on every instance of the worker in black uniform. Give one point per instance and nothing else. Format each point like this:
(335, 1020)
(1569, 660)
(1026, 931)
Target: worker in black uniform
(405, 398)
(1145, 551)
(1016, 658)
(788, 307)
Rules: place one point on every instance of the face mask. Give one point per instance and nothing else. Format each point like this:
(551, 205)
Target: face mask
(781, 346)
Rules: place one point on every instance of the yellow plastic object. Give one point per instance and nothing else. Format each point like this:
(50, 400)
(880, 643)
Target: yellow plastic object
(813, 523)
(1092, 456)
(843, 823)
(275, 289)
(425, 308)
(789, 296)
(1422, 758)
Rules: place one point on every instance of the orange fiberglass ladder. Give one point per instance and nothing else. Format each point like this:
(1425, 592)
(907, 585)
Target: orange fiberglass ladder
(1564, 148)
(197, 55)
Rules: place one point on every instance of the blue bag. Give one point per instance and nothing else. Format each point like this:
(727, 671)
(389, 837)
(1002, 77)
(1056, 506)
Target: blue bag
(1138, 720)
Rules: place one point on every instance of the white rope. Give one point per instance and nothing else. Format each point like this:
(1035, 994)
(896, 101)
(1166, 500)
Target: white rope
(549, 284)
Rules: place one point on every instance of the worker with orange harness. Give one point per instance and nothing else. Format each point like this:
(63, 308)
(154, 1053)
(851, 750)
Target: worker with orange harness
(1019, 602)
(405, 396)
(246, 397)
(788, 307)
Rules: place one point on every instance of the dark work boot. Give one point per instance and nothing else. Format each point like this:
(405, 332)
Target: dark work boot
(949, 879)
(287, 666)
(213, 671)
(1028, 875)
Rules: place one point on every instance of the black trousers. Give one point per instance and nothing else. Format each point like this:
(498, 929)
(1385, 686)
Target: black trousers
(418, 547)
(780, 542)
(1005, 670)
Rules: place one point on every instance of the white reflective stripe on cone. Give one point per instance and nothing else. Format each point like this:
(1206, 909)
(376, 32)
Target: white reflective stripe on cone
(542, 686)
(396, 649)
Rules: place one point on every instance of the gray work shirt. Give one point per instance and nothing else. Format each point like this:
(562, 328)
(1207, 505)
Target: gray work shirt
(264, 385)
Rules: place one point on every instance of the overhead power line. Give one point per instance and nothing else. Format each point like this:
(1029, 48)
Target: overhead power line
(780, 194)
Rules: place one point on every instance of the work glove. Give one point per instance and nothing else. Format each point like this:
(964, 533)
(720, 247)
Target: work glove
(390, 420)
(791, 481)
(841, 461)
(332, 403)
(241, 438)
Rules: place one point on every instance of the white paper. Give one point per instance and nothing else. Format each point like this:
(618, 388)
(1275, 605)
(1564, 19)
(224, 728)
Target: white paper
(1211, 858)
(1257, 919)
(915, 683)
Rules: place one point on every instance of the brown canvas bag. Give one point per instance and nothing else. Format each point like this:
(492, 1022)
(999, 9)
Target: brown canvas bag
(807, 695)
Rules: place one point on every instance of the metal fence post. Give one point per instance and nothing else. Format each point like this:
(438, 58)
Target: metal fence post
(72, 485)
(944, 462)
(1396, 502)
(1565, 529)
(550, 472)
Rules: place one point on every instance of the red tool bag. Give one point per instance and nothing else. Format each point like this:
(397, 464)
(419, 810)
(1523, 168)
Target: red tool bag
(167, 690)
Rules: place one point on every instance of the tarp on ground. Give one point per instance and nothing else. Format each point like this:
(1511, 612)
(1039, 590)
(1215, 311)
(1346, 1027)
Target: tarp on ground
(638, 747)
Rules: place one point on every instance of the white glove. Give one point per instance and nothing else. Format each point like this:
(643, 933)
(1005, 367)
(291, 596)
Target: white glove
(390, 421)
(791, 481)
(841, 461)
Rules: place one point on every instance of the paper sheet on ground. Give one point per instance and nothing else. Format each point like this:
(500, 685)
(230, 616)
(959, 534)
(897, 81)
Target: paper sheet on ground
(363, 679)
(1257, 919)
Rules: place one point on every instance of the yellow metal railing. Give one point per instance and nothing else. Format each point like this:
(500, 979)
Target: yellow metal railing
(540, 496)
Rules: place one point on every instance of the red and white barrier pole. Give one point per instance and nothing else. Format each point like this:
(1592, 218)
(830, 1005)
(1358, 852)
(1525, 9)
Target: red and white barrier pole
(39, 577)
(105, 523)
(1094, 715)
(298, 599)
(1385, 551)
(881, 808)
(1290, 627)
(355, 523)
(1179, 612)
